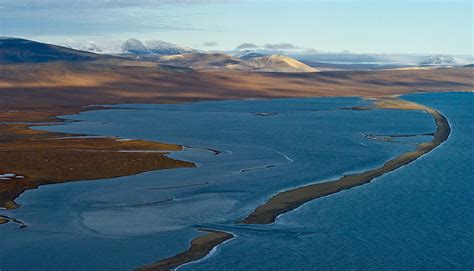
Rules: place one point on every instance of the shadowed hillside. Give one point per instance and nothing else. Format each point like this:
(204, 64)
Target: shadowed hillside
(15, 50)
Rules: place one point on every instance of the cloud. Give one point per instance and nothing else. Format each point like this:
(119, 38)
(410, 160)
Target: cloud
(210, 43)
(281, 46)
(86, 17)
(246, 45)
(93, 4)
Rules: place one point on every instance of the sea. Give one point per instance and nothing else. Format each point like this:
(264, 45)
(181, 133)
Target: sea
(418, 217)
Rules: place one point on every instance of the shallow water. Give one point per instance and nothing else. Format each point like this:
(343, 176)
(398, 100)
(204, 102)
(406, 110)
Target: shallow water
(408, 219)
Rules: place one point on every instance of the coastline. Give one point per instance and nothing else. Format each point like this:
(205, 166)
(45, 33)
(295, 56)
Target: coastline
(32, 158)
(294, 198)
(216, 238)
(32, 94)
(200, 247)
(29, 96)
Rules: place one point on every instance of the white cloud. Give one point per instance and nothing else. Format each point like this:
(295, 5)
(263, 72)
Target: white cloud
(95, 17)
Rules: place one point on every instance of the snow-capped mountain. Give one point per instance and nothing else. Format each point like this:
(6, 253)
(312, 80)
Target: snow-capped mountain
(131, 47)
(153, 47)
(134, 46)
(166, 48)
(438, 60)
(98, 46)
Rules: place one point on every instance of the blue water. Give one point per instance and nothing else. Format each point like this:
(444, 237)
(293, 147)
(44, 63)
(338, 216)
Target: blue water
(418, 217)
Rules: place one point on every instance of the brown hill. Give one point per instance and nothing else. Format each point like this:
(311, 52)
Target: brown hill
(82, 79)
(275, 63)
(204, 61)
(77, 84)
(200, 60)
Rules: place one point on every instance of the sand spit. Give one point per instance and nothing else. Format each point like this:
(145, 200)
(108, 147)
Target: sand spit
(200, 247)
(291, 199)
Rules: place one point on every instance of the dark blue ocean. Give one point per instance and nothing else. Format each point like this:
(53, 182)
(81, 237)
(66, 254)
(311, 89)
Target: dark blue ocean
(419, 217)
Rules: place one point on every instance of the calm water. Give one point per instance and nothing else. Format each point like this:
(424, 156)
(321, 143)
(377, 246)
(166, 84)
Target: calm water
(418, 217)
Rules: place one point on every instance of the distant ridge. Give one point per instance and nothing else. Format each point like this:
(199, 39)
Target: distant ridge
(16, 50)
(200, 60)
(272, 63)
(249, 54)
(437, 60)
(153, 47)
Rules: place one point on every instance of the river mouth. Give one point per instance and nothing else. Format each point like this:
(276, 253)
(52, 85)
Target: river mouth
(242, 159)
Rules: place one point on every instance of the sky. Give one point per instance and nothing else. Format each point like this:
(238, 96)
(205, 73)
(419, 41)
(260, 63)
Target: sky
(363, 26)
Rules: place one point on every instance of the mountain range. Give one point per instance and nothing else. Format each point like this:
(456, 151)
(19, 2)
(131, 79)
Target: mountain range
(206, 61)
(343, 60)
(264, 59)
(162, 54)
(153, 47)
(36, 75)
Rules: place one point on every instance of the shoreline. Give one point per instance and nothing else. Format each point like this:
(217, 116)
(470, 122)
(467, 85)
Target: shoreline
(200, 247)
(268, 212)
(37, 157)
(291, 199)
(38, 93)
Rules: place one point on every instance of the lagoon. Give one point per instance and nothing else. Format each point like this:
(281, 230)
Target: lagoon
(412, 218)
